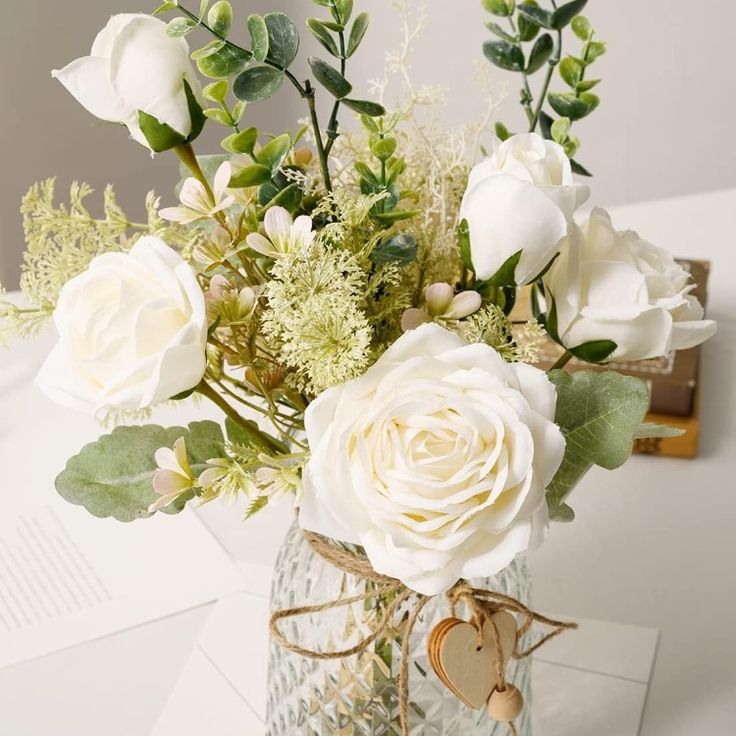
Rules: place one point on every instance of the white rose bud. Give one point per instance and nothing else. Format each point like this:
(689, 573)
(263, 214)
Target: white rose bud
(518, 206)
(435, 460)
(132, 331)
(613, 286)
(136, 67)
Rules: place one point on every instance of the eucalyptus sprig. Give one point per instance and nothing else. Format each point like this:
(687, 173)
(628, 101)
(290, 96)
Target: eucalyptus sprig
(529, 22)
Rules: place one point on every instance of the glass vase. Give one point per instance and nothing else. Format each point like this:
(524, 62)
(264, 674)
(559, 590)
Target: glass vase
(359, 695)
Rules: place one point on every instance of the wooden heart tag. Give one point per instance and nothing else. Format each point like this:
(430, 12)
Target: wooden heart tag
(465, 659)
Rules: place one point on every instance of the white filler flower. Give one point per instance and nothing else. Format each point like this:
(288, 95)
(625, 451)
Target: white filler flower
(132, 331)
(518, 205)
(614, 286)
(435, 460)
(134, 66)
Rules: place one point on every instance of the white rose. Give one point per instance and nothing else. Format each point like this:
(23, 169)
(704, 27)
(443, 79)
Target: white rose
(435, 460)
(134, 66)
(610, 285)
(521, 200)
(132, 331)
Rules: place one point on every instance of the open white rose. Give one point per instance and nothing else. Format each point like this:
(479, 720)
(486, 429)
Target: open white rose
(610, 285)
(520, 201)
(132, 331)
(135, 66)
(435, 460)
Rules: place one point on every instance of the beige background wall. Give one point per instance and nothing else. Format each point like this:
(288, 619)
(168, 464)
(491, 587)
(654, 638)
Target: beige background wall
(665, 126)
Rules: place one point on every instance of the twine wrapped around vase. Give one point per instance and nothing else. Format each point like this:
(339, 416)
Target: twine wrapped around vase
(483, 603)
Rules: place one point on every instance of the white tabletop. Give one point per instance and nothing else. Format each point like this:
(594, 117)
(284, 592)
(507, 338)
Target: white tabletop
(651, 546)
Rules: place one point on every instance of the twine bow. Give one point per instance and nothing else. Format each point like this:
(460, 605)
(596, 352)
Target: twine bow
(483, 603)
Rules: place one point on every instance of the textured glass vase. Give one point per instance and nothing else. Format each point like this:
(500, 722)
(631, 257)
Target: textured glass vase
(359, 695)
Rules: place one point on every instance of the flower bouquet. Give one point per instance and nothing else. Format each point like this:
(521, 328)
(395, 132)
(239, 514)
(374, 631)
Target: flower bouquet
(344, 294)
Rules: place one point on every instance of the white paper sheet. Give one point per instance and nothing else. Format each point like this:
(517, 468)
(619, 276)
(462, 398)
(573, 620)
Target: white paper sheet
(67, 577)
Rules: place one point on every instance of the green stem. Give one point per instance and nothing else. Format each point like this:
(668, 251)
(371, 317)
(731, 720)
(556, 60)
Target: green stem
(186, 155)
(563, 361)
(553, 62)
(333, 125)
(255, 435)
(324, 165)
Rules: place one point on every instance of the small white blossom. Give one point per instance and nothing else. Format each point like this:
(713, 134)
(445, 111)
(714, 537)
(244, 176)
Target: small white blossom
(197, 202)
(285, 235)
(442, 303)
(173, 477)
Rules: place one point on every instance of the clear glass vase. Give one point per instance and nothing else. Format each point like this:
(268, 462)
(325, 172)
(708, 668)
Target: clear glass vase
(359, 695)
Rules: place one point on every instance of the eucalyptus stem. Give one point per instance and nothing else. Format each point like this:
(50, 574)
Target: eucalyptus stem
(324, 165)
(255, 435)
(564, 359)
(552, 64)
(332, 126)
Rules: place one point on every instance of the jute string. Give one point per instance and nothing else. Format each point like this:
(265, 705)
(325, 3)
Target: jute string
(483, 603)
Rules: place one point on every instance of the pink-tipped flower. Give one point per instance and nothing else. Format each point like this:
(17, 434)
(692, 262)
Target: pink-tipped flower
(173, 477)
(197, 203)
(442, 304)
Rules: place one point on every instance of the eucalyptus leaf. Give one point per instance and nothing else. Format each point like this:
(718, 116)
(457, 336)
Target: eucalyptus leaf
(360, 26)
(365, 107)
(560, 130)
(219, 116)
(223, 61)
(330, 78)
(497, 7)
(384, 148)
(319, 30)
(569, 106)
(220, 18)
(536, 15)
(258, 83)
(258, 37)
(178, 27)
(113, 477)
(274, 152)
(504, 55)
(243, 142)
(541, 51)
(595, 49)
(498, 31)
(217, 91)
(400, 249)
(571, 70)
(283, 39)
(565, 13)
(250, 176)
(164, 8)
(528, 30)
(599, 415)
(344, 10)
(582, 28)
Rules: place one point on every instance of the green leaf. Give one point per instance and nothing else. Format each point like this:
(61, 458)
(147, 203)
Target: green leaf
(563, 514)
(571, 70)
(344, 10)
(560, 130)
(506, 275)
(649, 430)
(220, 18)
(541, 51)
(243, 142)
(258, 83)
(400, 249)
(526, 27)
(536, 15)
(250, 176)
(366, 173)
(256, 505)
(569, 106)
(219, 116)
(504, 55)
(586, 84)
(196, 113)
(222, 60)
(330, 78)
(595, 351)
(578, 168)
(178, 27)
(565, 13)
(497, 7)
(217, 91)
(502, 132)
(258, 37)
(384, 148)
(463, 241)
(274, 152)
(498, 31)
(365, 107)
(164, 8)
(320, 31)
(289, 197)
(360, 26)
(599, 415)
(283, 39)
(113, 477)
(595, 49)
(160, 136)
(582, 28)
